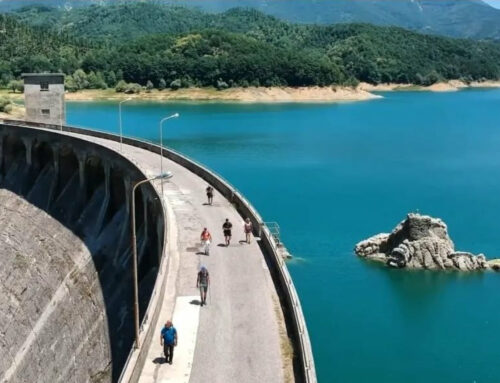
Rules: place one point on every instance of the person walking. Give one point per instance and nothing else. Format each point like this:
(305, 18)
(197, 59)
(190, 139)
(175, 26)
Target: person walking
(248, 228)
(168, 340)
(226, 228)
(206, 238)
(202, 282)
(210, 194)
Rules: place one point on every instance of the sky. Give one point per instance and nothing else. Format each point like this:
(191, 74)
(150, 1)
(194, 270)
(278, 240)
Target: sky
(495, 3)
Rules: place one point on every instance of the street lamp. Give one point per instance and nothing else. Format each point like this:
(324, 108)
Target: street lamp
(162, 176)
(63, 111)
(175, 115)
(120, 120)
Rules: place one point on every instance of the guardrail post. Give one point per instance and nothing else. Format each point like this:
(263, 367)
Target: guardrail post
(1, 157)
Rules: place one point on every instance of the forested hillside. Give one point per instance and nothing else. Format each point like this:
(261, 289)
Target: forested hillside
(455, 18)
(27, 49)
(241, 47)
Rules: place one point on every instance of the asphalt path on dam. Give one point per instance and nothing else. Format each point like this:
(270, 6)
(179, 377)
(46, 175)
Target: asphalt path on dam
(236, 336)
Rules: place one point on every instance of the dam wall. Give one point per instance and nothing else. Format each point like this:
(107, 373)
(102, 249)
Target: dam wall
(66, 311)
(304, 368)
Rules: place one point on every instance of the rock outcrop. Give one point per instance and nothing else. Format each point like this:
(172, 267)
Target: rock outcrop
(419, 242)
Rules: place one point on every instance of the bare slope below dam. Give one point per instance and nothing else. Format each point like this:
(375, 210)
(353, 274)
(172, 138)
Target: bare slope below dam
(65, 257)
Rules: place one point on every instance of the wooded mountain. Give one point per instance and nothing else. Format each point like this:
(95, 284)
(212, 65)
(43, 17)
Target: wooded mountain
(156, 45)
(455, 18)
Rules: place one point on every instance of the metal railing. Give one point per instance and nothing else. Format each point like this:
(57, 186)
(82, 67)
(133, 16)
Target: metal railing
(274, 230)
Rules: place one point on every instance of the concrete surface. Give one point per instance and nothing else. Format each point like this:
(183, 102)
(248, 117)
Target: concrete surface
(65, 265)
(239, 331)
(186, 317)
(63, 297)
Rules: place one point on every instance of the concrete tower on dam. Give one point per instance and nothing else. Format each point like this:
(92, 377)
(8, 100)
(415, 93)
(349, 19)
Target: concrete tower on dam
(44, 98)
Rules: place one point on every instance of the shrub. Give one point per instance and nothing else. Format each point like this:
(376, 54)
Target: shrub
(186, 82)
(221, 85)
(162, 85)
(352, 82)
(133, 88)
(121, 86)
(176, 84)
(5, 105)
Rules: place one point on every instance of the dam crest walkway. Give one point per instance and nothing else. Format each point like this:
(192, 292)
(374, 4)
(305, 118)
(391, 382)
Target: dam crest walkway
(240, 334)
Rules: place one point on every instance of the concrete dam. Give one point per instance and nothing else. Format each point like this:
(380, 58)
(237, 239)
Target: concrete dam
(65, 274)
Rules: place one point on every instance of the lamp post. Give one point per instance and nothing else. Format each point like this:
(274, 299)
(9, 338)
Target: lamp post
(61, 115)
(120, 120)
(161, 144)
(63, 110)
(162, 176)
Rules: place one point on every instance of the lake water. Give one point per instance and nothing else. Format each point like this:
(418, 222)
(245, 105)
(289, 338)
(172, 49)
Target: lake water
(332, 175)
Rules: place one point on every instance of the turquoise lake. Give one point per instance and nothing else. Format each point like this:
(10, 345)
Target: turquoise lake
(334, 174)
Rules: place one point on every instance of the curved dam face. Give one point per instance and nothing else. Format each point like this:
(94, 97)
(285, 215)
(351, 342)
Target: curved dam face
(66, 311)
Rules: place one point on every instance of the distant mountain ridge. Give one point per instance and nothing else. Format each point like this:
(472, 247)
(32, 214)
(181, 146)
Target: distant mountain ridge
(455, 18)
(151, 45)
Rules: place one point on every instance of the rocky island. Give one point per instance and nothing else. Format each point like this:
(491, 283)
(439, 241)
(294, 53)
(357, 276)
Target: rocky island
(420, 242)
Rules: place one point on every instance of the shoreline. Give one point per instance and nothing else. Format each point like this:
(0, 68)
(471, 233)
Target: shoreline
(449, 86)
(248, 95)
(252, 95)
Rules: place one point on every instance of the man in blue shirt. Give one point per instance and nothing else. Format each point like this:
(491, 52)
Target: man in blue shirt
(168, 340)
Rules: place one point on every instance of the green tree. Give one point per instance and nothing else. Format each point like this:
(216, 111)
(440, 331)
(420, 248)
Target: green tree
(176, 84)
(121, 86)
(162, 84)
(96, 81)
(69, 84)
(110, 78)
(119, 75)
(239, 47)
(149, 86)
(16, 86)
(80, 79)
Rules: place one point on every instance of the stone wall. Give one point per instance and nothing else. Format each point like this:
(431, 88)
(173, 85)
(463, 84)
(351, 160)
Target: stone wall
(65, 257)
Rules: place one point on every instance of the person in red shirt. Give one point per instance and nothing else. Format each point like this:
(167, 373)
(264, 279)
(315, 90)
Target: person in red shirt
(206, 238)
